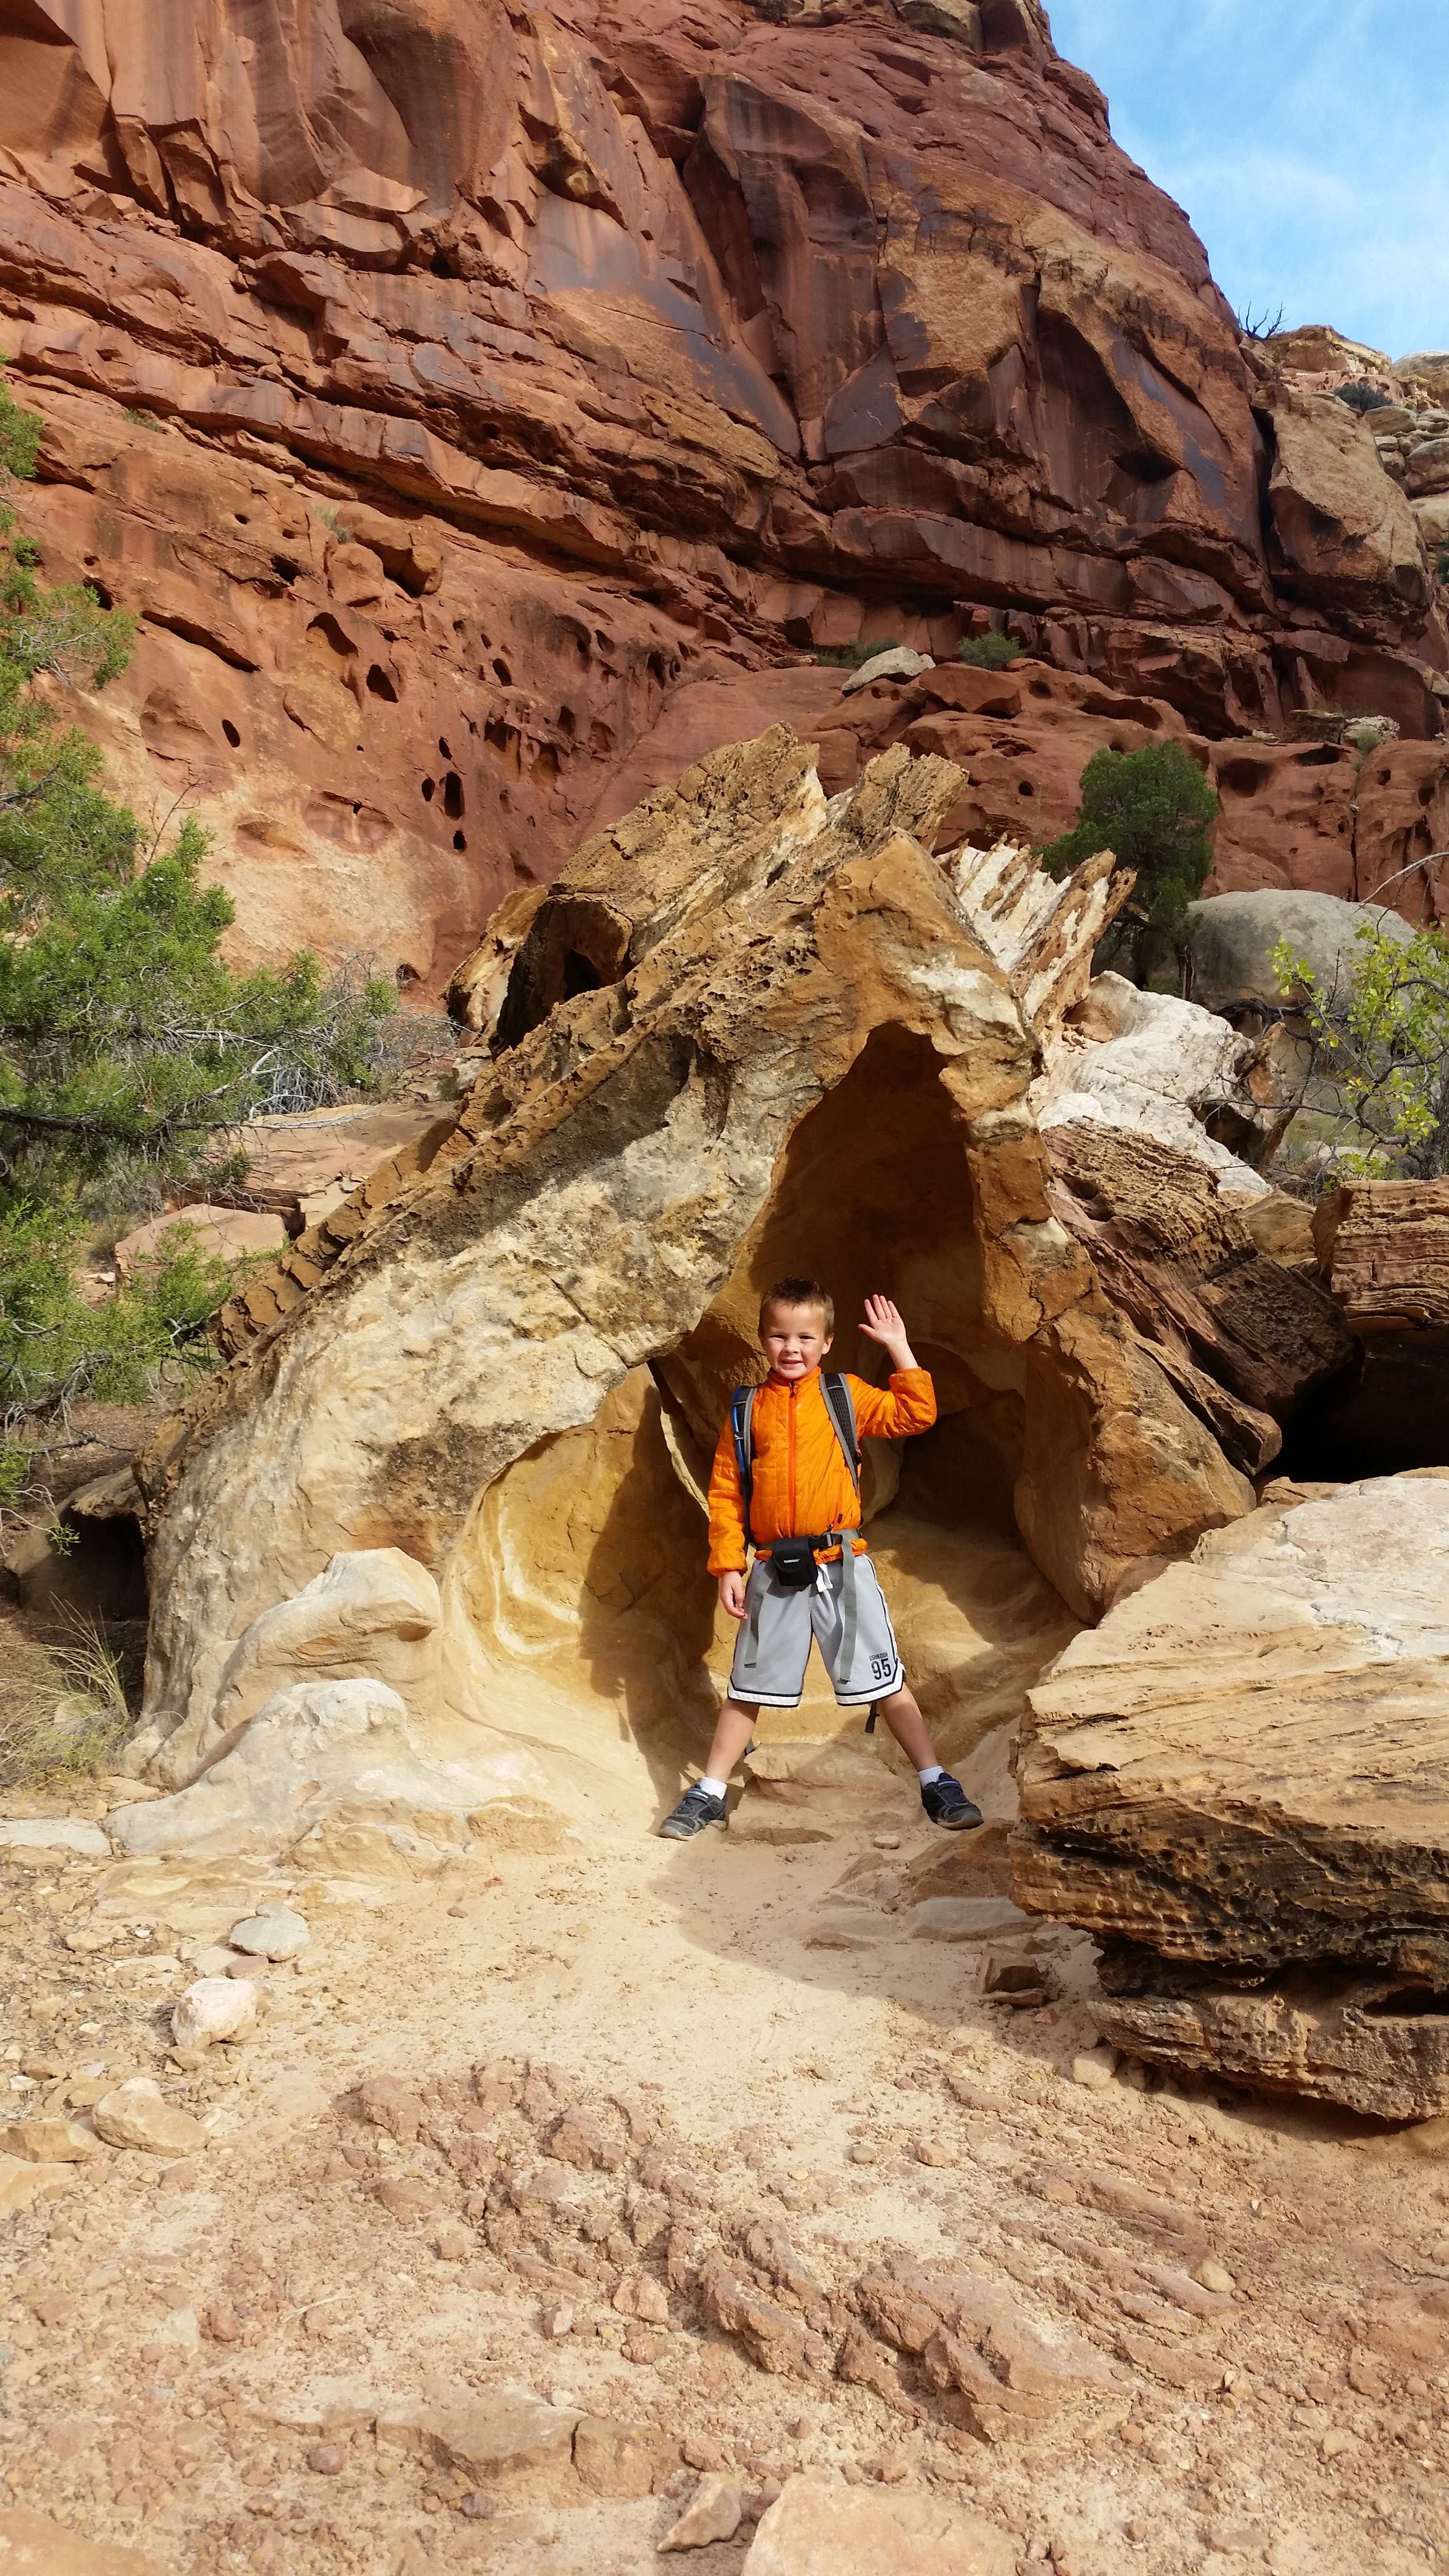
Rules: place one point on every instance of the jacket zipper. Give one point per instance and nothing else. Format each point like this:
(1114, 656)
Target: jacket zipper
(790, 1461)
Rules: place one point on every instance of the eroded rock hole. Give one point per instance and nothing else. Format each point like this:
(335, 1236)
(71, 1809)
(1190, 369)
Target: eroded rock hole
(380, 686)
(231, 733)
(430, 789)
(580, 975)
(583, 1568)
(453, 796)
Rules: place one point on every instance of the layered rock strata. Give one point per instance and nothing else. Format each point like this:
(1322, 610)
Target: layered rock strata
(1237, 1784)
(450, 389)
(749, 1025)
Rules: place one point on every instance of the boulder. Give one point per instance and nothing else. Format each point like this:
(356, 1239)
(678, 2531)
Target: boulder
(1178, 1258)
(1383, 1247)
(813, 2529)
(338, 1773)
(1150, 1064)
(372, 1613)
(517, 1370)
(1233, 937)
(900, 663)
(1237, 1784)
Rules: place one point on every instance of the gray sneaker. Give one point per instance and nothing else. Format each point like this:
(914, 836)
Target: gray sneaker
(695, 1810)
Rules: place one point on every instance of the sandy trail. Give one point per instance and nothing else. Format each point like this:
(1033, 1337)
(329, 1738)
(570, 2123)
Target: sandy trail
(180, 2342)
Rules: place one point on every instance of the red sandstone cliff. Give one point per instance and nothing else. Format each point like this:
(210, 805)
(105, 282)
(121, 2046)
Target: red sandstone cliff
(478, 403)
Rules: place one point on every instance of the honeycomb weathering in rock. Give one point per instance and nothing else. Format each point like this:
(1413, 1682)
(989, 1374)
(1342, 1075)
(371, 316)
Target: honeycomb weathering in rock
(515, 1369)
(481, 408)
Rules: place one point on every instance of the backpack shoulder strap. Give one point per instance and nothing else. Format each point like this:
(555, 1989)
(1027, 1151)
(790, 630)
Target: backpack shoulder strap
(742, 1411)
(836, 1391)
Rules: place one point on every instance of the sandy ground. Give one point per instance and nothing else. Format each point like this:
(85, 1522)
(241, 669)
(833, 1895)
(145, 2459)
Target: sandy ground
(177, 2342)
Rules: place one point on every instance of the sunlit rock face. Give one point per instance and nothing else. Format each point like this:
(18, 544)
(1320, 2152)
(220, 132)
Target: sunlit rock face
(457, 394)
(489, 1403)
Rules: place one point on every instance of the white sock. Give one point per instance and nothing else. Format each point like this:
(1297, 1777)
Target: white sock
(712, 1788)
(935, 1772)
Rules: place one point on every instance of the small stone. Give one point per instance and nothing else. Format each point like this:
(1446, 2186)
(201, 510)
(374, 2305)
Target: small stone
(214, 2008)
(407, 2196)
(886, 1842)
(1335, 2440)
(638, 2295)
(1213, 2275)
(703, 2452)
(329, 2459)
(276, 1933)
(930, 2151)
(454, 2244)
(42, 2070)
(713, 2513)
(863, 2154)
(642, 2347)
(1138, 2530)
(137, 2115)
(49, 2141)
(557, 2318)
(478, 2507)
(1094, 2069)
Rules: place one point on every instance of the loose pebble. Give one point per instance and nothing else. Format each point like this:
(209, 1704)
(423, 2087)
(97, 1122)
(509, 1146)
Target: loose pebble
(276, 1933)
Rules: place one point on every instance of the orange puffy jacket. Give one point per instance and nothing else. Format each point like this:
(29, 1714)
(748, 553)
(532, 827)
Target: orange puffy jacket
(801, 1482)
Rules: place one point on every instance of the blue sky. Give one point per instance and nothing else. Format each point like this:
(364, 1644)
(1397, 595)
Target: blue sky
(1308, 141)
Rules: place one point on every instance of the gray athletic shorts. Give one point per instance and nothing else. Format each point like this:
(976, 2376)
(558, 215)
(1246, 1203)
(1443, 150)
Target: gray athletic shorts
(774, 1641)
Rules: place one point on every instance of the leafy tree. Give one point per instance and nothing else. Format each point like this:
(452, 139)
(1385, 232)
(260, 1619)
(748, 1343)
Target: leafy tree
(990, 652)
(1152, 808)
(129, 1051)
(1382, 1035)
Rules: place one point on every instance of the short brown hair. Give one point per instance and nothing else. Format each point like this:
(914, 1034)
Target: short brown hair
(799, 1291)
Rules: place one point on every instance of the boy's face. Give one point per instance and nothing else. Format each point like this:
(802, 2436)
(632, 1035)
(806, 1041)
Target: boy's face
(794, 1339)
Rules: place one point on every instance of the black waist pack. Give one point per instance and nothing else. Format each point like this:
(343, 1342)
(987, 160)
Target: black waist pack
(792, 1562)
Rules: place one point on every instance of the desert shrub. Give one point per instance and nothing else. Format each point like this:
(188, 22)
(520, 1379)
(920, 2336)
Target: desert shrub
(990, 652)
(1382, 1036)
(1441, 563)
(1361, 397)
(129, 1051)
(1153, 809)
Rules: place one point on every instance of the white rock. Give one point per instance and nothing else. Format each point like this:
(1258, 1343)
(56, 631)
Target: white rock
(1213, 2275)
(276, 1932)
(214, 2008)
(900, 663)
(1156, 1058)
(1094, 2069)
(54, 1833)
(314, 1749)
(714, 2512)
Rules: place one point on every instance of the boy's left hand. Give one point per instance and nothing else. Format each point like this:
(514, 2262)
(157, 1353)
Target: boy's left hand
(883, 1323)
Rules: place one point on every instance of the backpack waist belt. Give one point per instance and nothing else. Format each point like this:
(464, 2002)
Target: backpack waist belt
(801, 1554)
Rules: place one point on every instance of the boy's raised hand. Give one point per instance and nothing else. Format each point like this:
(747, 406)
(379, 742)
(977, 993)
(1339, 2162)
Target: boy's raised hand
(883, 1323)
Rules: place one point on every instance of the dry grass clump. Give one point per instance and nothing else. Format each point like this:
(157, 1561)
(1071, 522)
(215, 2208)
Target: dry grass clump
(63, 1706)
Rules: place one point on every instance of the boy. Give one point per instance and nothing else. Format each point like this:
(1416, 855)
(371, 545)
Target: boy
(802, 1486)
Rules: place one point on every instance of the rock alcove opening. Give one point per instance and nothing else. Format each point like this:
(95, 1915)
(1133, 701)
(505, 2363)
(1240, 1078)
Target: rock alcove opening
(1386, 1418)
(585, 1561)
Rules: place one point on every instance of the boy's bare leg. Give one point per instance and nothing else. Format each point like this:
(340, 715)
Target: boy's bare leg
(733, 1729)
(903, 1717)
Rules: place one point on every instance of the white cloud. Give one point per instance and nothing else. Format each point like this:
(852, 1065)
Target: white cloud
(1307, 146)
